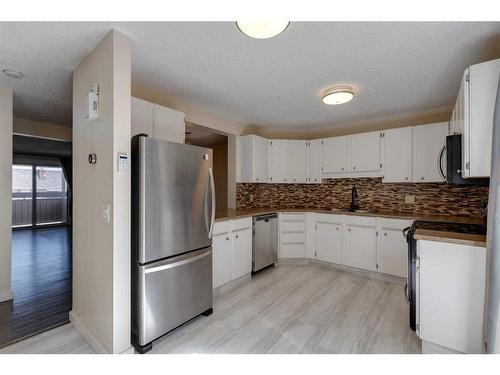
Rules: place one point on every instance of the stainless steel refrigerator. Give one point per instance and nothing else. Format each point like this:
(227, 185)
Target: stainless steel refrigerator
(173, 212)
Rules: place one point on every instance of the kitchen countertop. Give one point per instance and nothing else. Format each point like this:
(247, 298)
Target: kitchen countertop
(229, 214)
(451, 237)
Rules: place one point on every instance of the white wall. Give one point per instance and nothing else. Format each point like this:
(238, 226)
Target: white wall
(5, 192)
(101, 250)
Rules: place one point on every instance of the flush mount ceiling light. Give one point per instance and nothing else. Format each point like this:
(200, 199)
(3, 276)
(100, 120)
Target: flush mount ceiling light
(262, 29)
(338, 95)
(12, 73)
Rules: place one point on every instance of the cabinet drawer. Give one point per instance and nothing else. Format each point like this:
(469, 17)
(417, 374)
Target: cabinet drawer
(329, 218)
(293, 226)
(293, 217)
(240, 224)
(221, 227)
(361, 221)
(299, 237)
(293, 251)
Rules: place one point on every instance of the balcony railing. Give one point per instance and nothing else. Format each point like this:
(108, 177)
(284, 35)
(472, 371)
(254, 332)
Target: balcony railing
(51, 208)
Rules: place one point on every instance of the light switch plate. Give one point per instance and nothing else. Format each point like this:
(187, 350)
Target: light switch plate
(410, 199)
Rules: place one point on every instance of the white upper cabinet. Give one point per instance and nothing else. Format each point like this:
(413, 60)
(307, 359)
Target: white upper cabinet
(298, 161)
(315, 161)
(365, 152)
(397, 152)
(253, 159)
(156, 121)
(279, 160)
(479, 104)
(428, 154)
(335, 154)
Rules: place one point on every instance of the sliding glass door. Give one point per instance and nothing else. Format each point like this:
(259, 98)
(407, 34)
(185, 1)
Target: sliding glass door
(39, 195)
(22, 195)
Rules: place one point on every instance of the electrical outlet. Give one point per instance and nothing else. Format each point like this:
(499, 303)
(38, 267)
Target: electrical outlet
(410, 199)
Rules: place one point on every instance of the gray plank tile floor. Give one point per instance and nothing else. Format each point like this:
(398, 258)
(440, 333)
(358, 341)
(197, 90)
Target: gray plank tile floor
(291, 309)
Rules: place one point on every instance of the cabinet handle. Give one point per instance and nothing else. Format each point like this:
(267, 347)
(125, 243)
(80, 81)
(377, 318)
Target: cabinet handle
(385, 234)
(348, 229)
(284, 179)
(227, 238)
(257, 179)
(353, 168)
(421, 178)
(236, 236)
(338, 228)
(406, 178)
(342, 168)
(294, 179)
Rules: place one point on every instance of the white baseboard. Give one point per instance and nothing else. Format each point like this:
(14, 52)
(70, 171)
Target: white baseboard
(91, 340)
(431, 348)
(5, 295)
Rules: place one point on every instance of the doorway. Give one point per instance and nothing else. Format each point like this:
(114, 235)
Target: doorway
(41, 276)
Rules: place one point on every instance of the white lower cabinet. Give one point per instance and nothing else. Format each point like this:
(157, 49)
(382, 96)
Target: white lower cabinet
(360, 247)
(221, 259)
(328, 238)
(451, 287)
(392, 247)
(231, 250)
(242, 252)
(292, 235)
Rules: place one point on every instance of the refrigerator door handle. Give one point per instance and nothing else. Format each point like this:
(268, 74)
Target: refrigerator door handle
(212, 191)
(178, 263)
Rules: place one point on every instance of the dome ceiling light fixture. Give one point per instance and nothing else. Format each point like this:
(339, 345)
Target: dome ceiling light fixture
(338, 95)
(12, 73)
(262, 29)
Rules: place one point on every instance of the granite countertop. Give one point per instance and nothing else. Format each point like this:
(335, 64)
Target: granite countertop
(228, 214)
(451, 237)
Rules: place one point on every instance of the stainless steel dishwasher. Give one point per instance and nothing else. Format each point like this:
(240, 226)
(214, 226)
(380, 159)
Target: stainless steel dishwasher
(265, 242)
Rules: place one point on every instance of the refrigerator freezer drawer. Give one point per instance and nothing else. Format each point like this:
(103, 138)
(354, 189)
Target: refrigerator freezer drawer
(171, 292)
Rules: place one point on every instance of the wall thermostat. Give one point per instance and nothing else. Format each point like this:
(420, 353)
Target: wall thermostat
(122, 163)
(93, 103)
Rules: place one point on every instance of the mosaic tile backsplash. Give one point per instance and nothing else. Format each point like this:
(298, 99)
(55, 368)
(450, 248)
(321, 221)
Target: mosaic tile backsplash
(430, 198)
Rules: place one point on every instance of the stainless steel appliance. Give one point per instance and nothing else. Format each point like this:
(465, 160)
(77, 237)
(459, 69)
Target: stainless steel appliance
(173, 212)
(265, 242)
(454, 164)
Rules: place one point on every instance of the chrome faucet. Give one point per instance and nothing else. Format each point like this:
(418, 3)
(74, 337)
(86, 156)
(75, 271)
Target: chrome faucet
(354, 195)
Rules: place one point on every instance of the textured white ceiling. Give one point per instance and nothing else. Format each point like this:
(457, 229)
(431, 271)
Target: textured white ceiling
(395, 68)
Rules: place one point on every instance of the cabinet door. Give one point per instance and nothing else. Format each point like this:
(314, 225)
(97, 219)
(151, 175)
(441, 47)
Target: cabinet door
(360, 247)
(335, 155)
(393, 253)
(141, 117)
(279, 160)
(428, 141)
(365, 152)
(168, 124)
(222, 259)
(397, 155)
(329, 242)
(483, 85)
(260, 159)
(298, 161)
(315, 161)
(241, 253)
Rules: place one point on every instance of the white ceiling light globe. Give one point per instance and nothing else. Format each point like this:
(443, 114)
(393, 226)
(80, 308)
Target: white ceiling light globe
(262, 29)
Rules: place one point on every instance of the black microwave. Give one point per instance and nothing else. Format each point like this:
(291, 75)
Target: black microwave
(454, 164)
